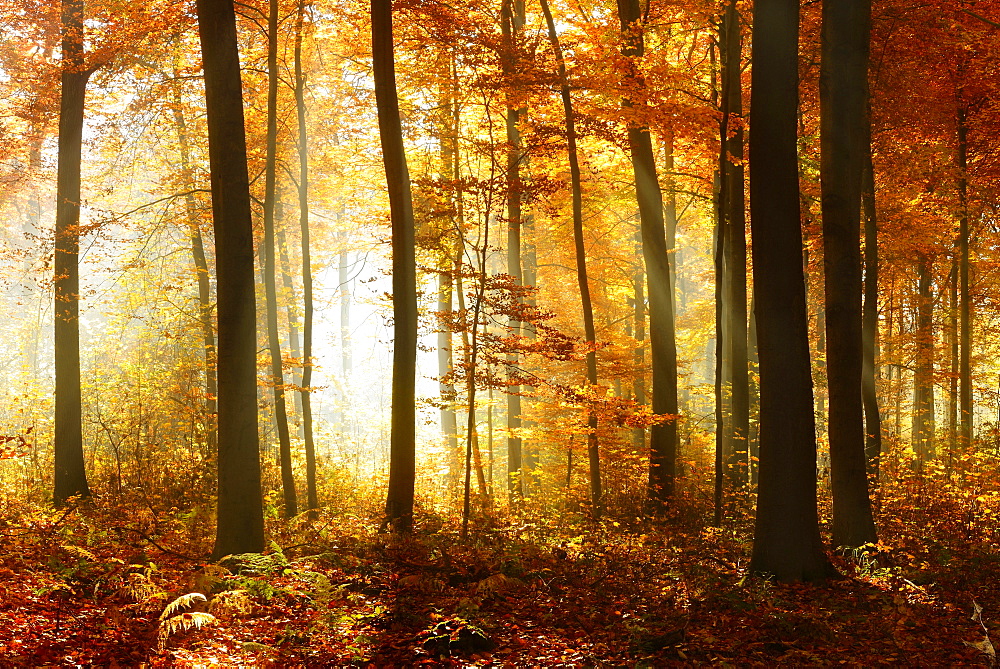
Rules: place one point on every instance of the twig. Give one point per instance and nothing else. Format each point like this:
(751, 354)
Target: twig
(156, 545)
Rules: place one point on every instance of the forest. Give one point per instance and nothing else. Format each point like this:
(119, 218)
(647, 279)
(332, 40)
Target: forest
(499, 333)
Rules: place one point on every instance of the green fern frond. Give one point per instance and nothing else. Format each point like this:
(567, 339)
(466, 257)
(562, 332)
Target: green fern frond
(182, 602)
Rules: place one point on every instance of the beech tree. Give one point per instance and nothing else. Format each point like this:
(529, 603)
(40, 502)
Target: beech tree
(843, 88)
(662, 435)
(402, 464)
(240, 526)
(786, 542)
(70, 472)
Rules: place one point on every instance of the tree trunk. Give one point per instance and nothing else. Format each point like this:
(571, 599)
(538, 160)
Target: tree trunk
(240, 512)
(512, 20)
(639, 354)
(923, 377)
(70, 470)
(869, 315)
(953, 359)
(590, 333)
(663, 436)
(312, 496)
(446, 370)
(787, 543)
(202, 273)
(736, 243)
(270, 269)
(965, 299)
(343, 276)
(402, 464)
(843, 92)
(290, 300)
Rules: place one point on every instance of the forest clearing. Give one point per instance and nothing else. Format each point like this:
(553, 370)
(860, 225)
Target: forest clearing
(499, 333)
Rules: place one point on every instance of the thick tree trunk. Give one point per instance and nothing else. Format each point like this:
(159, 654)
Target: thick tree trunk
(312, 496)
(270, 267)
(402, 465)
(590, 333)
(512, 20)
(663, 436)
(843, 93)
(240, 512)
(70, 470)
(787, 543)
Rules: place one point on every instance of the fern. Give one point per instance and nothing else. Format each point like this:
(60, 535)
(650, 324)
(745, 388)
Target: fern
(78, 552)
(231, 602)
(498, 584)
(208, 577)
(182, 602)
(141, 589)
(183, 622)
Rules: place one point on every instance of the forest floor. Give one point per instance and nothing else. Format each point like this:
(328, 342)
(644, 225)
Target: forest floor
(100, 586)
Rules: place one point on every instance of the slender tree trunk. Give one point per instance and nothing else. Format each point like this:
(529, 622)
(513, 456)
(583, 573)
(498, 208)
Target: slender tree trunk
(471, 438)
(663, 436)
(843, 93)
(869, 315)
(312, 496)
(720, 339)
(953, 359)
(472, 441)
(787, 543)
(446, 370)
(402, 465)
(736, 243)
(923, 378)
(590, 333)
(639, 354)
(290, 300)
(965, 299)
(70, 470)
(270, 270)
(754, 365)
(512, 20)
(202, 274)
(240, 512)
(343, 275)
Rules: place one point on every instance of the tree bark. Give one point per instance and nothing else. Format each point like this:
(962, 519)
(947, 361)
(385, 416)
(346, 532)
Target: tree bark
(512, 21)
(240, 512)
(923, 377)
(663, 435)
(202, 274)
(312, 496)
(787, 543)
(736, 243)
(843, 92)
(402, 450)
(70, 470)
(270, 267)
(590, 333)
(965, 299)
(869, 314)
